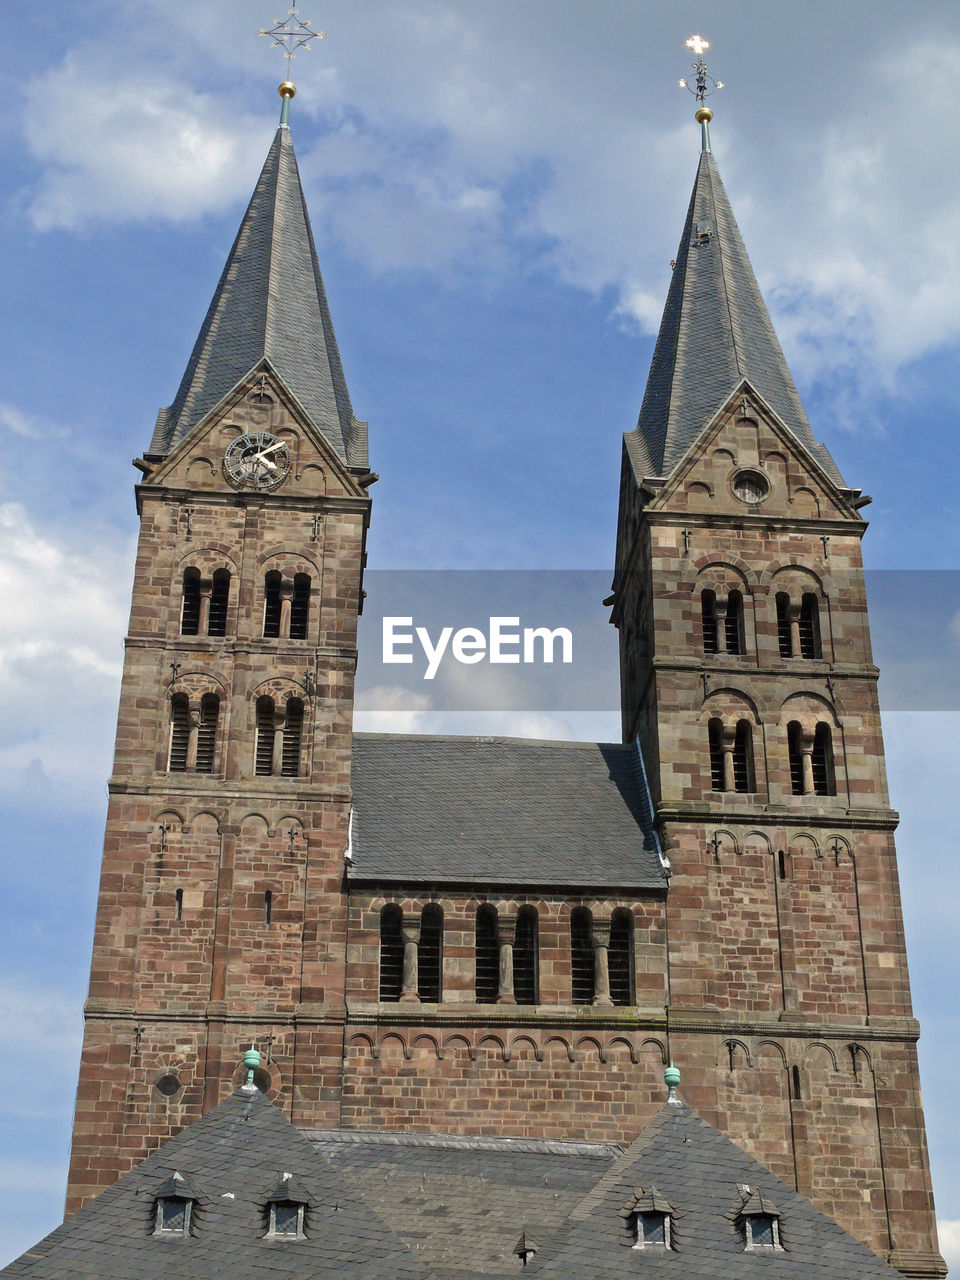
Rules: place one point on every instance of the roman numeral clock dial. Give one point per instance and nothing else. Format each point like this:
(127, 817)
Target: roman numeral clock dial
(258, 461)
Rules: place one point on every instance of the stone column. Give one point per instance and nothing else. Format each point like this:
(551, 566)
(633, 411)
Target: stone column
(794, 614)
(410, 985)
(720, 617)
(600, 937)
(729, 742)
(506, 934)
(206, 590)
(279, 719)
(286, 603)
(193, 716)
(806, 756)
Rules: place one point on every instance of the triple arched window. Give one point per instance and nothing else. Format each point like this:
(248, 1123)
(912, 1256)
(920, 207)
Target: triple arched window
(286, 606)
(203, 608)
(193, 734)
(279, 738)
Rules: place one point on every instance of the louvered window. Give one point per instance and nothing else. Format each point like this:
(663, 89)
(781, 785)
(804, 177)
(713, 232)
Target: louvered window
(179, 733)
(715, 738)
(810, 627)
(219, 599)
(190, 609)
(824, 781)
(391, 952)
(486, 956)
(743, 757)
(265, 735)
(709, 620)
(525, 957)
(620, 958)
(207, 732)
(430, 954)
(582, 979)
(784, 638)
(300, 607)
(292, 738)
(272, 605)
(733, 623)
(794, 735)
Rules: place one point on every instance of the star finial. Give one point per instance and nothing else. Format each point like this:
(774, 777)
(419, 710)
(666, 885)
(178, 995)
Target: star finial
(290, 34)
(704, 85)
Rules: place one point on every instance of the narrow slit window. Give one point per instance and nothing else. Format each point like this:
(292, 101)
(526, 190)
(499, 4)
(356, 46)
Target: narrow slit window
(391, 952)
(782, 864)
(300, 607)
(179, 733)
(219, 600)
(292, 738)
(794, 738)
(582, 972)
(486, 956)
(708, 618)
(715, 739)
(268, 907)
(207, 732)
(620, 957)
(525, 957)
(795, 1079)
(743, 757)
(810, 627)
(733, 623)
(178, 905)
(272, 605)
(430, 954)
(784, 637)
(824, 780)
(266, 729)
(190, 608)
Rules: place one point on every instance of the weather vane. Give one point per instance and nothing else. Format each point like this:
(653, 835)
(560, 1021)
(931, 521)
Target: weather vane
(290, 34)
(705, 84)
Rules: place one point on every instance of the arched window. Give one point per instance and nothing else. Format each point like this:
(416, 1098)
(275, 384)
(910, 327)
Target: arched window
(391, 952)
(620, 957)
(824, 777)
(810, 646)
(272, 605)
(715, 737)
(430, 954)
(794, 739)
(582, 972)
(266, 730)
(190, 609)
(487, 956)
(783, 625)
(743, 779)
(219, 599)
(708, 617)
(207, 732)
(525, 957)
(292, 737)
(300, 607)
(179, 733)
(733, 623)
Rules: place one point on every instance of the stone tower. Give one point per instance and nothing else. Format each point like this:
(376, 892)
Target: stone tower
(220, 915)
(747, 677)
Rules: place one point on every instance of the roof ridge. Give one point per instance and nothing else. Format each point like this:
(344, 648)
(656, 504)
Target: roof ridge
(464, 1142)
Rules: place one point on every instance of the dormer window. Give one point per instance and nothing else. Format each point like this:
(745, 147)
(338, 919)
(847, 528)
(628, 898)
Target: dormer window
(761, 1231)
(286, 1211)
(648, 1220)
(173, 1208)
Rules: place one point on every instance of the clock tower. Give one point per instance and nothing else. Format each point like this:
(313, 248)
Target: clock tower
(220, 918)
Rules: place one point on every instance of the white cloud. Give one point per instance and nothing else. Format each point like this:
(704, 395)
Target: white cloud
(950, 1242)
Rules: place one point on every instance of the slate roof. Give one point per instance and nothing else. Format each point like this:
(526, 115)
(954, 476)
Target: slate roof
(715, 332)
(460, 1202)
(700, 1172)
(236, 1156)
(501, 811)
(270, 305)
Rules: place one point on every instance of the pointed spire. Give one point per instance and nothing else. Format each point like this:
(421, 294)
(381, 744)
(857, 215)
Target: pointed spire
(715, 332)
(270, 305)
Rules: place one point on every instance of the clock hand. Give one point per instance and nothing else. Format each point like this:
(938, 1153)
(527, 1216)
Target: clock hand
(278, 445)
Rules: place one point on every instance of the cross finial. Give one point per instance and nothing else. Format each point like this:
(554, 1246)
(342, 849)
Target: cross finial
(704, 84)
(290, 34)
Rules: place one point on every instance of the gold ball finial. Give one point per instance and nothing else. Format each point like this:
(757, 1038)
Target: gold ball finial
(704, 115)
(288, 89)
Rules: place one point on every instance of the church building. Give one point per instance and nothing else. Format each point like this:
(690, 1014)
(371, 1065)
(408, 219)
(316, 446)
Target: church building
(370, 1004)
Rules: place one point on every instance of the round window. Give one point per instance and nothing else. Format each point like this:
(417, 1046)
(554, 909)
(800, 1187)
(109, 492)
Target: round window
(168, 1085)
(751, 486)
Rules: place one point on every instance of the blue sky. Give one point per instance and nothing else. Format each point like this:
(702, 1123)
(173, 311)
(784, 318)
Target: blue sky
(497, 191)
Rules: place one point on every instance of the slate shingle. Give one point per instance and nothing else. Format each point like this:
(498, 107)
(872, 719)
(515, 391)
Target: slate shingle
(501, 811)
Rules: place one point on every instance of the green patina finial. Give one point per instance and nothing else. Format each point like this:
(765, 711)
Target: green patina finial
(671, 1078)
(251, 1060)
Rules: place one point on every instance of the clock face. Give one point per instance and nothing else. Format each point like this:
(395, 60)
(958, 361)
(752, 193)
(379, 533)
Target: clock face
(258, 461)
